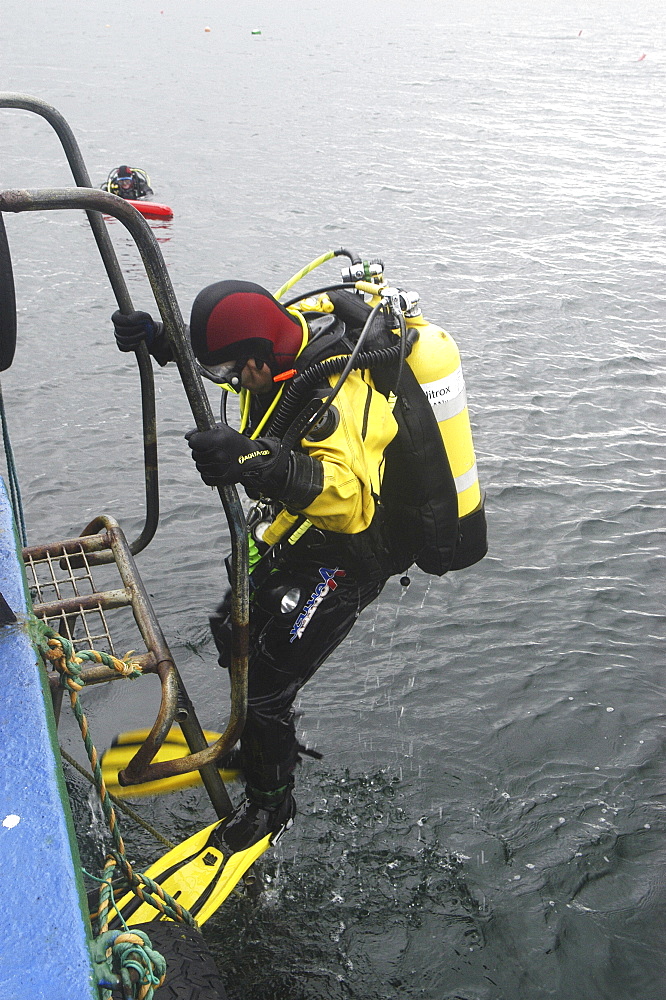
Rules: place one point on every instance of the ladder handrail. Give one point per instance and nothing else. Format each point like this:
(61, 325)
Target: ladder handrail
(81, 177)
(90, 199)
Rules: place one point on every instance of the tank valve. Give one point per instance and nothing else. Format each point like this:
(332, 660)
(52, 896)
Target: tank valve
(363, 271)
(399, 302)
(409, 303)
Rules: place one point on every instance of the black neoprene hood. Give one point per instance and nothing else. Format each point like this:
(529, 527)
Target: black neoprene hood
(232, 320)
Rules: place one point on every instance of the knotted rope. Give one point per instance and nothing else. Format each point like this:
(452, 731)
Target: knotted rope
(126, 951)
(130, 951)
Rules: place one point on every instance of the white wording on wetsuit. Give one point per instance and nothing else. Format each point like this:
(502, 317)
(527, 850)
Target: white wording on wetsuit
(316, 597)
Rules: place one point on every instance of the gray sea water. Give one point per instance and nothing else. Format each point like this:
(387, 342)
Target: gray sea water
(487, 821)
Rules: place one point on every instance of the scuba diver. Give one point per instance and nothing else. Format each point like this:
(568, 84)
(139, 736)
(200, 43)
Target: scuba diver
(128, 182)
(315, 438)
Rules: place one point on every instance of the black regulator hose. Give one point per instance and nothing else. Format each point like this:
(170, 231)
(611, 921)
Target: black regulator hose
(353, 357)
(320, 291)
(351, 254)
(292, 403)
(315, 374)
(405, 346)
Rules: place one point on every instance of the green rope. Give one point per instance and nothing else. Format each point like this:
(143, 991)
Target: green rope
(59, 651)
(143, 959)
(14, 488)
(119, 804)
(128, 951)
(110, 952)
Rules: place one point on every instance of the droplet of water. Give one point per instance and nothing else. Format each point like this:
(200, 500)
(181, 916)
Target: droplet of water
(425, 594)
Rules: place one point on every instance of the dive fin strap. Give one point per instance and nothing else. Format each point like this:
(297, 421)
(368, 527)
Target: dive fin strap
(197, 874)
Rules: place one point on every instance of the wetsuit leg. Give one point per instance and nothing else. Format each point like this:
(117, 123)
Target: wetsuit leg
(279, 665)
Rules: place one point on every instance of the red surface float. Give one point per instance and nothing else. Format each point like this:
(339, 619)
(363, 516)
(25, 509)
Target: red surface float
(152, 209)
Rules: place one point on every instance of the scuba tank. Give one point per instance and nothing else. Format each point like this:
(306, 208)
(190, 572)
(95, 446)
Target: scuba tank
(433, 506)
(435, 362)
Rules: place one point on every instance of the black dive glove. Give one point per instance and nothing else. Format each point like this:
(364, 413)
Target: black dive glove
(136, 327)
(225, 457)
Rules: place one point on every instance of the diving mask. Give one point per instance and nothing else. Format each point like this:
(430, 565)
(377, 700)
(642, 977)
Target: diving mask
(226, 375)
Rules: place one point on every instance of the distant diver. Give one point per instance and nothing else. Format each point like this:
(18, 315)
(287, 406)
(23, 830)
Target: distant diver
(128, 182)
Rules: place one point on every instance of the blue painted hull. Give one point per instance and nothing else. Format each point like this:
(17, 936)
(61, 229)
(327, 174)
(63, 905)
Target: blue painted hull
(44, 945)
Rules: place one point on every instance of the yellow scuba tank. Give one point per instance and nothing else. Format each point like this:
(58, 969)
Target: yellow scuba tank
(435, 361)
(433, 510)
(420, 500)
(430, 492)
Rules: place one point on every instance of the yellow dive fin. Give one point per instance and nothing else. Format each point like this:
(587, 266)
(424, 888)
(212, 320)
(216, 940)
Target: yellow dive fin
(197, 874)
(125, 745)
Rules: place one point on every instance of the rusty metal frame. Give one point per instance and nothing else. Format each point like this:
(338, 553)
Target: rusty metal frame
(72, 557)
(81, 177)
(142, 767)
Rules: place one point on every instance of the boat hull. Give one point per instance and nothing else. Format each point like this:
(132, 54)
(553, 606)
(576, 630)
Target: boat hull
(40, 881)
